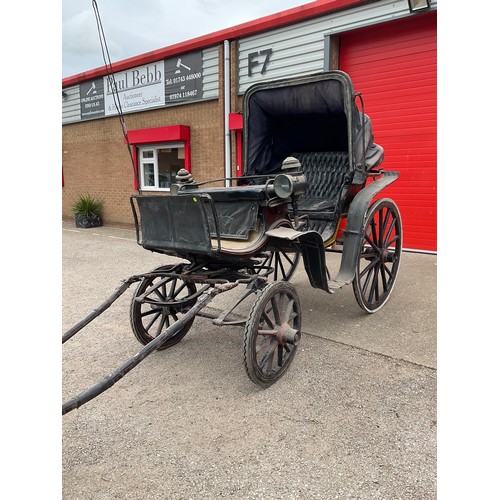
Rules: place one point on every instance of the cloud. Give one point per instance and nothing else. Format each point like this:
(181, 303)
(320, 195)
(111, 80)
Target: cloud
(77, 34)
(132, 27)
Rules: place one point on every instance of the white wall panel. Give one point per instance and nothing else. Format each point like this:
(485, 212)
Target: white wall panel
(299, 49)
(211, 73)
(71, 105)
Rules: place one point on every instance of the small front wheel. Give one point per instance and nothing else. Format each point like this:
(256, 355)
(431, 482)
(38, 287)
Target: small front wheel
(380, 255)
(158, 302)
(272, 333)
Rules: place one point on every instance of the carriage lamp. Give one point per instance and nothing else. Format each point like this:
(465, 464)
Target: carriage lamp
(287, 184)
(418, 5)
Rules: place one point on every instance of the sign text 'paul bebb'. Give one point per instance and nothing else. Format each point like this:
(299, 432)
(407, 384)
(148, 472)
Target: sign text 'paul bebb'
(138, 88)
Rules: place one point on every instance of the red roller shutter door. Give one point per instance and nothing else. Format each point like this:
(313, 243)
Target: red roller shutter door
(394, 65)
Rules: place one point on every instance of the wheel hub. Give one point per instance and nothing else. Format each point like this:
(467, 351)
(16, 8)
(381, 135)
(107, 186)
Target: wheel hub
(387, 255)
(287, 335)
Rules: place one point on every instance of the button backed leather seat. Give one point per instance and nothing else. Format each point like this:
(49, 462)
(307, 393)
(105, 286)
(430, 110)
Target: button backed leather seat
(328, 178)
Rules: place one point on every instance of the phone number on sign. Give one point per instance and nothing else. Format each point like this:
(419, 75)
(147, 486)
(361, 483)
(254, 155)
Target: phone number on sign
(183, 95)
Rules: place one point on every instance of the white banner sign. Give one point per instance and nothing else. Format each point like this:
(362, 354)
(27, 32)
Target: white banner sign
(138, 88)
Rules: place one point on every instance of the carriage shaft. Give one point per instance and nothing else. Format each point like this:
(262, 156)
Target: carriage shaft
(108, 381)
(99, 310)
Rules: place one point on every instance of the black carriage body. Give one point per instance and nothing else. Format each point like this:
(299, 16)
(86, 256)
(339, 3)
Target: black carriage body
(212, 227)
(313, 119)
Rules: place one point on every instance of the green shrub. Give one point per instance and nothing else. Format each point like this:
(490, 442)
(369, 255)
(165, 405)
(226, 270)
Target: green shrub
(87, 205)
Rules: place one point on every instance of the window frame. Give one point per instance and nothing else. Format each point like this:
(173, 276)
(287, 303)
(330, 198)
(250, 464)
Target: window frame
(139, 138)
(143, 161)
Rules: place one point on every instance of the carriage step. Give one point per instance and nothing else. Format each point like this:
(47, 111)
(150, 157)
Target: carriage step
(335, 285)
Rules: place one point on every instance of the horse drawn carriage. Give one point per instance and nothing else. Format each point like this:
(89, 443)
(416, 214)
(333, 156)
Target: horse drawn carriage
(310, 184)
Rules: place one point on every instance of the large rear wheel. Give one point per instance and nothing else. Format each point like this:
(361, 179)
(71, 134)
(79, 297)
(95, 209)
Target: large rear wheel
(380, 255)
(281, 264)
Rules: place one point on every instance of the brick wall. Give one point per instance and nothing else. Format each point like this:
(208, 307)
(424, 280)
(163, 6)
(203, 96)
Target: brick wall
(96, 159)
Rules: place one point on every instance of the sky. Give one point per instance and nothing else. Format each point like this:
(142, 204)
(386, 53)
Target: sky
(133, 27)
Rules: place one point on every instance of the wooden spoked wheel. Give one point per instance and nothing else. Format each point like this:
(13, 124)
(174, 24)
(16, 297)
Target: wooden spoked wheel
(157, 303)
(380, 256)
(272, 333)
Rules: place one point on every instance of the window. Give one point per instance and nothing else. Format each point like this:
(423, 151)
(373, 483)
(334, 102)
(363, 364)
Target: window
(159, 165)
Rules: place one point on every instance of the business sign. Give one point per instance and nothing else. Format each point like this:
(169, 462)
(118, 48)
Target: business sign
(171, 81)
(184, 78)
(137, 89)
(92, 99)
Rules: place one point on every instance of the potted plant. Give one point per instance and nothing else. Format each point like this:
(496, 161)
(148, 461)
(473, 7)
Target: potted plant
(87, 210)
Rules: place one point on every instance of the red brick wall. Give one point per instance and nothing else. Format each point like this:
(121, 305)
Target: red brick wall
(96, 160)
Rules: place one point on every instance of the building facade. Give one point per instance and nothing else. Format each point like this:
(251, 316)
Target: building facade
(182, 104)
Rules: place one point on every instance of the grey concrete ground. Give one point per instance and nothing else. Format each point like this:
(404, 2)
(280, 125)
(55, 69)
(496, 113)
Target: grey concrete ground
(353, 418)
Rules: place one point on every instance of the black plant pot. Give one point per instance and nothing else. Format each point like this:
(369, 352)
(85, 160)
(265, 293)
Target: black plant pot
(83, 220)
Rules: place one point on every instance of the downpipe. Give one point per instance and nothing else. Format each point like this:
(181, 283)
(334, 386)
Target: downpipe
(227, 110)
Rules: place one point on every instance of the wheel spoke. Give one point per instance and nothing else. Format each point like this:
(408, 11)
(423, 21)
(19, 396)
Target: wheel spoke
(384, 225)
(266, 332)
(365, 285)
(288, 311)
(373, 226)
(274, 265)
(276, 311)
(389, 243)
(280, 262)
(267, 319)
(262, 344)
(374, 287)
(159, 296)
(155, 310)
(267, 358)
(281, 306)
(172, 288)
(388, 233)
(162, 322)
(371, 243)
(280, 356)
(388, 271)
(178, 291)
(150, 324)
(384, 279)
(290, 260)
(367, 268)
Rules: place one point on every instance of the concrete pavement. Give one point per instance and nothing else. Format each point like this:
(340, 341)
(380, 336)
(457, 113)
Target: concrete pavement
(354, 417)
